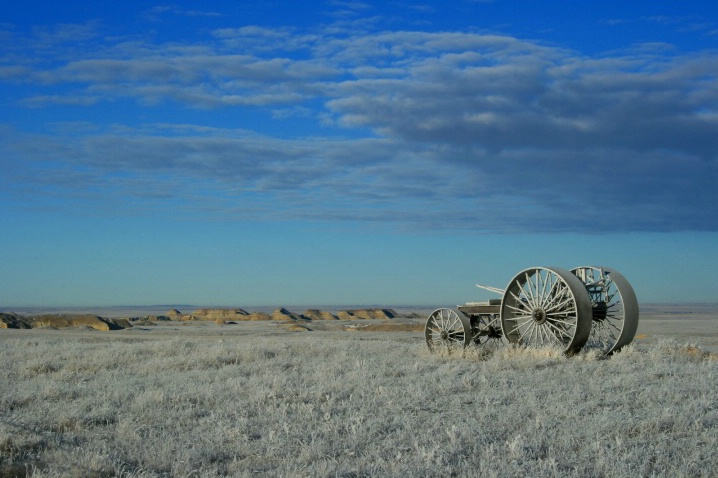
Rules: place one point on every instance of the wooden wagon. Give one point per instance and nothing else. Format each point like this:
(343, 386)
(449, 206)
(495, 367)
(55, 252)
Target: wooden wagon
(545, 306)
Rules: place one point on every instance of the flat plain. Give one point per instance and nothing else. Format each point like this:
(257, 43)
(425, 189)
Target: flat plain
(256, 399)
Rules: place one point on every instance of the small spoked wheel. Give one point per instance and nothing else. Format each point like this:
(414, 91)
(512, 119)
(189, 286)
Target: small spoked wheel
(486, 329)
(546, 306)
(614, 307)
(447, 329)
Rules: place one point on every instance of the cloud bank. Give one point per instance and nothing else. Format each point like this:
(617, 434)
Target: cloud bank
(411, 130)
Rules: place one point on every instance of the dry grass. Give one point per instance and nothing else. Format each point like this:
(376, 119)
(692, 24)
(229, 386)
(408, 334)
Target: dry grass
(362, 405)
(388, 327)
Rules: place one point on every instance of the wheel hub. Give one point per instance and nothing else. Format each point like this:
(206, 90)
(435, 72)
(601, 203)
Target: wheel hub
(494, 333)
(600, 311)
(539, 315)
(444, 335)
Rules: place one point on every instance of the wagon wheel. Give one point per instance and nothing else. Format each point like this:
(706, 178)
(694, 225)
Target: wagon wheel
(614, 304)
(544, 306)
(446, 328)
(486, 329)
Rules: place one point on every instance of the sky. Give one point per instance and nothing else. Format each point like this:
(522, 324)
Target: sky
(237, 153)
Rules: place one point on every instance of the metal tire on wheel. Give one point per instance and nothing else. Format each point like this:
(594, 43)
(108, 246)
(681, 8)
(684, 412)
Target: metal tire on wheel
(614, 307)
(446, 328)
(546, 306)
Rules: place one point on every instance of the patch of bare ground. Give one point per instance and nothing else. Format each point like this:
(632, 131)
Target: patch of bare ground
(295, 327)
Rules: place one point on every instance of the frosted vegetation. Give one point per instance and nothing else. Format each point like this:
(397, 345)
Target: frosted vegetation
(303, 405)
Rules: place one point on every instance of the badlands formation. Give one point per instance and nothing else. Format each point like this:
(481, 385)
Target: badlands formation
(220, 316)
(61, 321)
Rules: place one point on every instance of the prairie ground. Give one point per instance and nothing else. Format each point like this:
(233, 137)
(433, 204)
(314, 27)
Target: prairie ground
(207, 400)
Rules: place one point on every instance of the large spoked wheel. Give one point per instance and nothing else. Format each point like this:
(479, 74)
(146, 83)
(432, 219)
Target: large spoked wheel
(614, 307)
(546, 306)
(447, 329)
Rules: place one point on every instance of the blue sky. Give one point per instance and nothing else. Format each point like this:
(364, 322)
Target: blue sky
(353, 152)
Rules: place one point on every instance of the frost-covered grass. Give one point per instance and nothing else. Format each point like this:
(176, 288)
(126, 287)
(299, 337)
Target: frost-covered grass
(307, 406)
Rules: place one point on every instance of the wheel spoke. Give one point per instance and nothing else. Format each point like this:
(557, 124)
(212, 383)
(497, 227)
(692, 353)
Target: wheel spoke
(565, 309)
(560, 330)
(516, 309)
(558, 306)
(444, 321)
(616, 316)
(546, 336)
(608, 331)
(532, 297)
(519, 300)
(550, 336)
(530, 327)
(568, 319)
(518, 326)
(556, 301)
(546, 282)
(521, 317)
(618, 329)
(559, 321)
(539, 334)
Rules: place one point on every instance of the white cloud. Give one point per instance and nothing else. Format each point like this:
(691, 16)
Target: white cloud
(486, 132)
(155, 14)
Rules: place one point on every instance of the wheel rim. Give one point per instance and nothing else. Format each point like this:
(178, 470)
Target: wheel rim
(446, 328)
(546, 306)
(614, 307)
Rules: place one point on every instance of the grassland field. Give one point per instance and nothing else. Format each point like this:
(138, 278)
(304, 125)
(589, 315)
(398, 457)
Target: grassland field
(254, 399)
